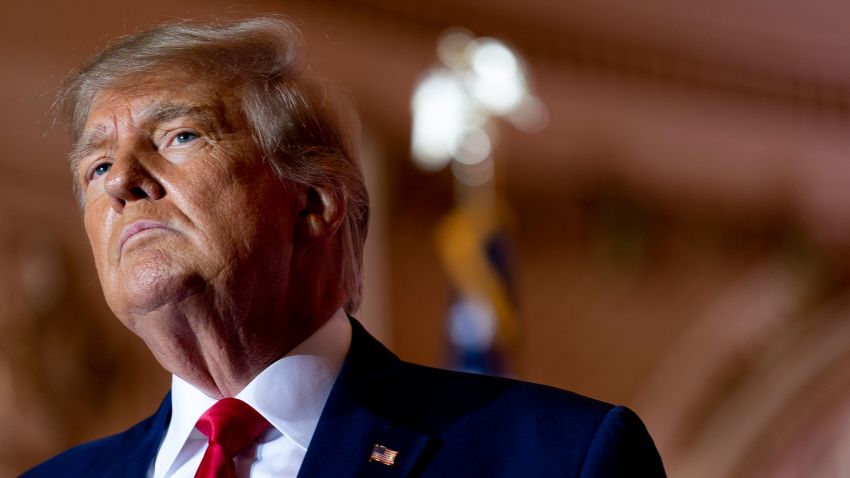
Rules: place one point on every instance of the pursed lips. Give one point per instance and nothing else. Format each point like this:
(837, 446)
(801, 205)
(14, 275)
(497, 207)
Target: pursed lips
(135, 228)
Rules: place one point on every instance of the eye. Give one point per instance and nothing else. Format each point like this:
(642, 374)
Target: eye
(185, 137)
(99, 170)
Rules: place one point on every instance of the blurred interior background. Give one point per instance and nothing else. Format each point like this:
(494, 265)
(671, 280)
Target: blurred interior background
(673, 226)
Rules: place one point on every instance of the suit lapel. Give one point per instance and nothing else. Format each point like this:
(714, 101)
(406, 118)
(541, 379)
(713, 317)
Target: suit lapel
(355, 419)
(405, 446)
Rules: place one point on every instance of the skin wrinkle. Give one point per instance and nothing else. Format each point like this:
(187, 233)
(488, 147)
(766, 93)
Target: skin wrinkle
(200, 294)
(98, 139)
(94, 138)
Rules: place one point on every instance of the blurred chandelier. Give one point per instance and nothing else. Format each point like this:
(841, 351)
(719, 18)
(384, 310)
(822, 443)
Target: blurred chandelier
(453, 105)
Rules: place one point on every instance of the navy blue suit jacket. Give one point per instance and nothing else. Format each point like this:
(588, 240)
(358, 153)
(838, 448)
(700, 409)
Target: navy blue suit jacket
(441, 423)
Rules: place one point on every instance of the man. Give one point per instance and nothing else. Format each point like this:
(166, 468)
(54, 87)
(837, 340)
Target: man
(226, 210)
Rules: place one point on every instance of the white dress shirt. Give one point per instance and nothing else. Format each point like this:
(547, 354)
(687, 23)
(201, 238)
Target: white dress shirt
(289, 393)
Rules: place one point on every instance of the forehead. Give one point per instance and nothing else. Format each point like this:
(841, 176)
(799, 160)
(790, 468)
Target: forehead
(138, 97)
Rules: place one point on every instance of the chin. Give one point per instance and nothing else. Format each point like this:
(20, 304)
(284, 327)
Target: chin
(150, 288)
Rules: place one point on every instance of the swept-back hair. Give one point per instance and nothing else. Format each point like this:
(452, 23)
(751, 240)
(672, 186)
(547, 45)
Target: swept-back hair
(298, 124)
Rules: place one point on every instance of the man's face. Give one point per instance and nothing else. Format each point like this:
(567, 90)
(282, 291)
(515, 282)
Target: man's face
(177, 200)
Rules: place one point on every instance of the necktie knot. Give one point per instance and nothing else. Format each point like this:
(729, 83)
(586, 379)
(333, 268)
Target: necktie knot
(231, 426)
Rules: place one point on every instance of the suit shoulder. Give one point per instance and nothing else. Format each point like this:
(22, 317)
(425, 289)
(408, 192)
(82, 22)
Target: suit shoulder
(621, 446)
(95, 458)
(508, 398)
(479, 425)
(565, 432)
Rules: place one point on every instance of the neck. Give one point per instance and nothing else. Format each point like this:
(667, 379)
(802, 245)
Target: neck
(218, 348)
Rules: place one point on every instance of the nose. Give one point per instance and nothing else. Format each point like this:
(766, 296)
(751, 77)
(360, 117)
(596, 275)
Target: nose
(130, 177)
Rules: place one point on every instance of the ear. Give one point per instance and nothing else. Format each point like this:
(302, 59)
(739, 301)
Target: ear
(323, 211)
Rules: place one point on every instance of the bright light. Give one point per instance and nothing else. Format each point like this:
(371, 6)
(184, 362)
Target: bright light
(481, 78)
(496, 80)
(440, 111)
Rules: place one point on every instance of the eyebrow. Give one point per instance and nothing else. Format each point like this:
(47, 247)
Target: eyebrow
(160, 112)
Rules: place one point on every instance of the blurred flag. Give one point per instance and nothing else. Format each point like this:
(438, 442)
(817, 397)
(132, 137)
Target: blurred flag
(474, 246)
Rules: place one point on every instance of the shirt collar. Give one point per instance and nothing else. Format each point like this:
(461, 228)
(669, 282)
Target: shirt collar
(290, 393)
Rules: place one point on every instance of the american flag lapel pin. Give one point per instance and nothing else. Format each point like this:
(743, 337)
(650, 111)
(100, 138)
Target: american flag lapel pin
(383, 455)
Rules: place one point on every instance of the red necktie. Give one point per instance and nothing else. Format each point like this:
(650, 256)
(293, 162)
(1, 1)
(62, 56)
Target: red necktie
(231, 426)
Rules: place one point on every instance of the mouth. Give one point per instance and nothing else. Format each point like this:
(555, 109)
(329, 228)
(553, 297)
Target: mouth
(135, 228)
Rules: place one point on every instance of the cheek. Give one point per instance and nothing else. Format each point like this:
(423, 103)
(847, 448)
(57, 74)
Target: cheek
(99, 225)
(238, 187)
(210, 183)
